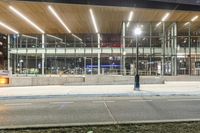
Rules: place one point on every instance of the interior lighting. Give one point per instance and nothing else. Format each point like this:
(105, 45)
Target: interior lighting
(165, 16)
(58, 18)
(26, 19)
(55, 37)
(27, 36)
(186, 23)
(158, 24)
(8, 27)
(194, 18)
(163, 19)
(4, 80)
(93, 20)
(129, 18)
(77, 37)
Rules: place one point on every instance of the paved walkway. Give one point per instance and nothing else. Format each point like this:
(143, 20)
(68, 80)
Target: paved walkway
(75, 111)
(167, 89)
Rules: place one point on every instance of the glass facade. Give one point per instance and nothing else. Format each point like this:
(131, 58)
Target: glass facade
(166, 48)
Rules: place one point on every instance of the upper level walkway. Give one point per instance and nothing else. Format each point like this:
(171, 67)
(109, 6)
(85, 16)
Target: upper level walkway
(95, 50)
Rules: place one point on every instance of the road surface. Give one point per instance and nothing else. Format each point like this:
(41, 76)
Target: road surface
(61, 111)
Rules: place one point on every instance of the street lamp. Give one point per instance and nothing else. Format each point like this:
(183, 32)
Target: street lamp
(21, 66)
(137, 32)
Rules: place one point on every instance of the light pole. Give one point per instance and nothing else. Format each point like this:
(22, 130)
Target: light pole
(137, 32)
(21, 66)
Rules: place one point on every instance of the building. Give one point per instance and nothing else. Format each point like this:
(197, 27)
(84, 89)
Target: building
(3, 51)
(98, 38)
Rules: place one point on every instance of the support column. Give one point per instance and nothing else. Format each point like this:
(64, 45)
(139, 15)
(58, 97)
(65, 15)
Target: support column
(43, 56)
(150, 41)
(99, 56)
(9, 67)
(171, 47)
(175, 47)
(163, 51)
(170, 51)
(123, 49)
(84, 65)
(190, 59)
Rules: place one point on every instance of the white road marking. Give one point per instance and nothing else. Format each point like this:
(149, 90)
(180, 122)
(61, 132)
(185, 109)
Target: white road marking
(110, 113)
(158, 121)
(61, 102)
(103, 101)
(136, 100)
(180, 100)
(17, 104)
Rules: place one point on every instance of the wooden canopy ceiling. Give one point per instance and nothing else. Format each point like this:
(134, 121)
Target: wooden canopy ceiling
(77, 17)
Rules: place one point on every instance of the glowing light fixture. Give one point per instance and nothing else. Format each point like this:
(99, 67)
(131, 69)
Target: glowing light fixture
(129, 18)
(27, 36)
(93, 20)
(77, 37)
(138, 31)
(58, 18)
(26, 19)
(194, 18)
(4, 81)
(165, 17)
(158, 24)
(55, 37)
(8, 27)
(61, 21)
(98, 35)
(186, 23)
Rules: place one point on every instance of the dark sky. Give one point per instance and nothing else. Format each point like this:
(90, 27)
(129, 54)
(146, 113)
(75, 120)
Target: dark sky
(193, 2)
(188, 5)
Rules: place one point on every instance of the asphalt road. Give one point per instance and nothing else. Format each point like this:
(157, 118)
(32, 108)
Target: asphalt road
(61, 111)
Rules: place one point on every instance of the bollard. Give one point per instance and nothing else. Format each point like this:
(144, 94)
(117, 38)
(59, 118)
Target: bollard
(137, 82)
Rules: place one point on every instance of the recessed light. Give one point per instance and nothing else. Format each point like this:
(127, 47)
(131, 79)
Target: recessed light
(77, 37)
(158, 24)
(93, 20)
(194, 18)
(129, 18)
(58, 18)
(8, 27)
(165, 16)
(26, 19)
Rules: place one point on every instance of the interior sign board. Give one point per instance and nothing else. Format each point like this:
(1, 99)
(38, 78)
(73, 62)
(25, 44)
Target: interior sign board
(4, 73)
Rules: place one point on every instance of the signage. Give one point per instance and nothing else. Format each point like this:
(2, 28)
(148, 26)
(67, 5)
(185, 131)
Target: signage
(5, 73)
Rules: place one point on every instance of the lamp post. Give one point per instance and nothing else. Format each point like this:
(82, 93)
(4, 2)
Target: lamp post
(21, 66)
(137, 32)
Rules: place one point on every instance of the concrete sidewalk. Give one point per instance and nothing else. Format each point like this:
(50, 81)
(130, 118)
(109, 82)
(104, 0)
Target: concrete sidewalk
(167, 89)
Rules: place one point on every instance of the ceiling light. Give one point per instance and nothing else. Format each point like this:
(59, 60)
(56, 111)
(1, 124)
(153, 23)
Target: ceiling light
(165, 17)
(194, 18)
(93, 20)
(129, 18)
(26, 19)
(55, 37)
(186, 23)
(158, 24)
(77, 37)
(98, 35)
(32, 37)
(127, 25)
(8, 27)
(58, 18)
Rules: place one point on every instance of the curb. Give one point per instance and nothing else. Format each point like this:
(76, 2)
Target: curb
(134, 94)
(62, 125)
